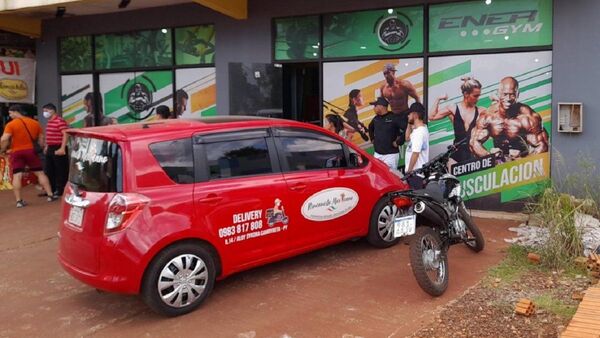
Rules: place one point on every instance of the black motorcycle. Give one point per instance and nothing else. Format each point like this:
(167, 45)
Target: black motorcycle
(437, 218)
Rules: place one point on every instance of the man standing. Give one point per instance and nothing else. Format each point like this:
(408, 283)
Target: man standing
(21, 132)
(57, 163)
(417, 150)
(397, 91)
(386, 131)
(417, 135)
(517, 130)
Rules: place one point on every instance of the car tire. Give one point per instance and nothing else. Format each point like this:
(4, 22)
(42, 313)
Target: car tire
(381, 224)
(179, 279)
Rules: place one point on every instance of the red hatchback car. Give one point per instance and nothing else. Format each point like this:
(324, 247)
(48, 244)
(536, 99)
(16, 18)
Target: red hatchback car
(163, 209)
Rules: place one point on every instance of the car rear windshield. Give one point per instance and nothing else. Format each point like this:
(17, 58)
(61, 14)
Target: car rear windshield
(95, 165)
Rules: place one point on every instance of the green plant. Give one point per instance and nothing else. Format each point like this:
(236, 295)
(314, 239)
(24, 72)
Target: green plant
(549, 303)
(556, 211)
(512, 267)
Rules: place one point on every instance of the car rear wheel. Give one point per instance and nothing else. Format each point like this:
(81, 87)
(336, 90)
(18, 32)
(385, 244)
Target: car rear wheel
(381, 227)
(179, 279)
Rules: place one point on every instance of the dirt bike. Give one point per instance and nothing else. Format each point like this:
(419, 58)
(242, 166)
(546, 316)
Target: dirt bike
(437, 218)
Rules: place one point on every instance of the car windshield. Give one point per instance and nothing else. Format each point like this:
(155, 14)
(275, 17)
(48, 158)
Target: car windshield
(95, 165)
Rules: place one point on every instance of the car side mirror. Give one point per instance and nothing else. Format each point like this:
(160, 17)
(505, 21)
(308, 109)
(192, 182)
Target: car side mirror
(355, 160)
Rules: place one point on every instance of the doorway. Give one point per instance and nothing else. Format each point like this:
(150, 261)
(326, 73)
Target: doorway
(301, 92)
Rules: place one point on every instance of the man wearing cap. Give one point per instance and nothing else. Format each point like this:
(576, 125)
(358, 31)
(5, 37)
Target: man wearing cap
(417, 150)
(397, 91)
(386, 131)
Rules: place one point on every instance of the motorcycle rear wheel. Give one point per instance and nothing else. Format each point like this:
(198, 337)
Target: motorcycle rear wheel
(475, 240)
(429, 261)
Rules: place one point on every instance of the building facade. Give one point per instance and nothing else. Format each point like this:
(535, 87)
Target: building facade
(302, 59)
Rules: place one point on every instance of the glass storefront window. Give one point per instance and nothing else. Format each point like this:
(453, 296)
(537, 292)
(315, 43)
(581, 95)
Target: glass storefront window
(150, 48)
(297, 38)
(76, 54)
(195, 45)
(391, 31)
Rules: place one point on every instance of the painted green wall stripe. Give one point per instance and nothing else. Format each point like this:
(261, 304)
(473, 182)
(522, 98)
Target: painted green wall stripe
(212, 111)
(526, 191)
(450, 73)
(535, 85)
(532, 102)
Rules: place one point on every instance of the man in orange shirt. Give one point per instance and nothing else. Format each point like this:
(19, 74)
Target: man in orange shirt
(20, 133)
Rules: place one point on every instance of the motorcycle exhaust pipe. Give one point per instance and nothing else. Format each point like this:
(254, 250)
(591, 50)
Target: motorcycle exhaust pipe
(421, 209)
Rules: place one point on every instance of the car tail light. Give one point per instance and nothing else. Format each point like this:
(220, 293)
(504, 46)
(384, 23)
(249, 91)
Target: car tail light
(122, 209)
(402, 202)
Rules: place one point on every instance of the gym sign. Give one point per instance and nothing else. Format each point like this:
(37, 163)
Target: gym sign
(499, 24)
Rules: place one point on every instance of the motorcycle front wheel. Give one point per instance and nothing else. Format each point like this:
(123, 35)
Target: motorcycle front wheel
(429, 261)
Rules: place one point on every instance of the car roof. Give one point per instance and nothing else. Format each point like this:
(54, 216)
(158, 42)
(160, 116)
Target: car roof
(166, 129)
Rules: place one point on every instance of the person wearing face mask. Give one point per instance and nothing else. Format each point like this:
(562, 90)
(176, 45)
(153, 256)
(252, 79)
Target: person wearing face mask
(57, 163)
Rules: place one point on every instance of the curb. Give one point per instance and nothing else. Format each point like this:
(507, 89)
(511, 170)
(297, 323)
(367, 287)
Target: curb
(501, 215)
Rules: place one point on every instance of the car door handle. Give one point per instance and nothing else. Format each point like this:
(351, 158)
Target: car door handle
(212, 198)
(298, 187)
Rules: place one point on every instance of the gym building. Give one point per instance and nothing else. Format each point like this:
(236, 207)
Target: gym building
(510, 76)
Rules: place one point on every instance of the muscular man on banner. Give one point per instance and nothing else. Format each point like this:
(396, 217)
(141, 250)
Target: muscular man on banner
(516, 129)
(397, 91)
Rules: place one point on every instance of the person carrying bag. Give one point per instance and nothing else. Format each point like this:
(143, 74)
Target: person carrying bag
(23, 152)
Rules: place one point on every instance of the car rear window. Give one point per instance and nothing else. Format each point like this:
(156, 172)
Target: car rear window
(95, 164)
(176, 159)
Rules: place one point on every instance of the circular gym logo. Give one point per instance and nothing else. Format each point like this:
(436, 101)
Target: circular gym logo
(393, 31)
(138, 96)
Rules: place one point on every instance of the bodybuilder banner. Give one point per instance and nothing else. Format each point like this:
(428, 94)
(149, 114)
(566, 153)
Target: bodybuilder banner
(499, 107)
(348, 87)
(17, 80)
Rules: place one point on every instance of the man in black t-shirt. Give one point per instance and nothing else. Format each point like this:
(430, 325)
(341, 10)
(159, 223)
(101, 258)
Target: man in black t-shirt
(386, 131)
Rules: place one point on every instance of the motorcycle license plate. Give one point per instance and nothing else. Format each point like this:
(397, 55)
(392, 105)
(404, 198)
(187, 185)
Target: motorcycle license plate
(405, 226)
(76, 216)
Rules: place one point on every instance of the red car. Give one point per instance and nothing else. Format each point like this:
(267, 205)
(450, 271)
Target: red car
(163, 209)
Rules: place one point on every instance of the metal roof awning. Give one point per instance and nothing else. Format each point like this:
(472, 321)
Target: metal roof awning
(25, 16)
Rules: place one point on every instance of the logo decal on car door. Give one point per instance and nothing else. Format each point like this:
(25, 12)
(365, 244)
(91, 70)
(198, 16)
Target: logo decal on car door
(329, 204)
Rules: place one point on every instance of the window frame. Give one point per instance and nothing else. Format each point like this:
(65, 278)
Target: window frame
(201, 141)
(278, 133)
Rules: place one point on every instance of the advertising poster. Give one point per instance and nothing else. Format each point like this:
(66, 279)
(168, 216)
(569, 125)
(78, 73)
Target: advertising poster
(139, 49)
(195, 45)
(389, 31)
(196, 94)
(133, 96)
(17, 80)
(297, 38)
(348, 87)
(500, 24)
(500, 104)
(74, 88)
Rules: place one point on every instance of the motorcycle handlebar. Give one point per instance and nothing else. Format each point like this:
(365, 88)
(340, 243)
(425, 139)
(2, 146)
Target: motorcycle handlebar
(436, 160)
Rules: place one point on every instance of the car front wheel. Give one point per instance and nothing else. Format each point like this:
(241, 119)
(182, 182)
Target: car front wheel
(179, 279)
(381, 227)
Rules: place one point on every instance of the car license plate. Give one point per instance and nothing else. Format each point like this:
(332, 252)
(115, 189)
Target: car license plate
(76, 216)
(405, 225)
